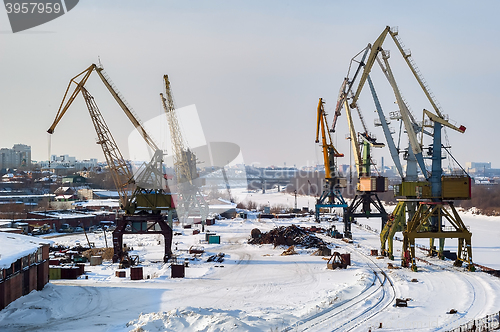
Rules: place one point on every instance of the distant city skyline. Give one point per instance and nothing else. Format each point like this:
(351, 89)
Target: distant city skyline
(254, 70)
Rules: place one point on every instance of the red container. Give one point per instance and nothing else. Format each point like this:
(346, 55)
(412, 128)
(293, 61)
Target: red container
(54, 262)
(178, 271)
(120, 274)
(374, 252)
(81, 268)
(136, 273)
(69, 272)
(196, 231)
(346, 258)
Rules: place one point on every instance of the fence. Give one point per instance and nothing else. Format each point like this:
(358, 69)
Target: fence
(488, 323)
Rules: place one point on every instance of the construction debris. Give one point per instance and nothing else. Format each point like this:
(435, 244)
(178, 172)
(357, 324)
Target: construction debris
(390, 266)
(256, 233)
(105, 253)
(322, 251)
(289, 251)
(338, 261)
(289, 236)
(219, 258)
(196, 250)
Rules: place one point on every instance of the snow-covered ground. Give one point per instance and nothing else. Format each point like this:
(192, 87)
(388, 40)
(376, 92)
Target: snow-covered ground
(257, 289)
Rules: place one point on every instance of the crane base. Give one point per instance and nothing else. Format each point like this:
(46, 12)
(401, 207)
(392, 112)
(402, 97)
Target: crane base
(141, 224)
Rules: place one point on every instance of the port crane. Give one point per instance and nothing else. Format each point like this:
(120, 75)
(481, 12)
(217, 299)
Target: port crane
(331, 196)
(428, 202)
(190, 199)
(368, 186)
(144, 196)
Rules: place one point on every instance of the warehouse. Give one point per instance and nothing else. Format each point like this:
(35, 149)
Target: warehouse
(24, 266)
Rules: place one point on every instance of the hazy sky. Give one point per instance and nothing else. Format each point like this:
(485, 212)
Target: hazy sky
(254, 70)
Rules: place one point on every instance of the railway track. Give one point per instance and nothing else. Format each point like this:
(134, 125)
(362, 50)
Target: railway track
(350, 314)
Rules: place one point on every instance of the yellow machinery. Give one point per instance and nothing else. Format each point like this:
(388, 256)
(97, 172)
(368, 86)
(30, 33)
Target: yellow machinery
(190, 199)
(143, 196)
(428, 203)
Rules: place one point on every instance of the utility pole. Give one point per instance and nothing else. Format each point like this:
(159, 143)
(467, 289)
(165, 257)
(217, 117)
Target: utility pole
(295, 199)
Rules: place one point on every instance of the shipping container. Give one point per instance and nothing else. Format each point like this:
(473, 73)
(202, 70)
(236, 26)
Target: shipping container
(120, 274)
(177, 271)
(54, 273)
(346, 258)
(136, 273)
(215, 239)
(95, 260)
(81, 268)
(69, 272)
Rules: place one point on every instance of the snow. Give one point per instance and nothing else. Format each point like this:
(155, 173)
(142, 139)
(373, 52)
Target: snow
(257, 289)
(64, 214)
(111, 203)
(14, 246)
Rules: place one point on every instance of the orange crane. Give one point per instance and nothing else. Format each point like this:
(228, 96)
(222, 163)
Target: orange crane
(331, 196)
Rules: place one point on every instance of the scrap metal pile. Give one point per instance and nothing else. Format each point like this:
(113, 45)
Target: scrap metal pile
(287, 236)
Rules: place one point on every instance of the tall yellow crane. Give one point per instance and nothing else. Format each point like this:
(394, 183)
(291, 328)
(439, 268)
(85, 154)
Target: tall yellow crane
(191, 201)
(428, 202)
(144, 192)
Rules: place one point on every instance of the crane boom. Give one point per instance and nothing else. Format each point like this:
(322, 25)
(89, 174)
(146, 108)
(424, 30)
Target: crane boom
(120, 172)
(329, 151)
(387, 132)
(190, 197)
(407, 120)
(353, 137)
(369, 64)
(413, 67)
(65, 104)
(184, 170)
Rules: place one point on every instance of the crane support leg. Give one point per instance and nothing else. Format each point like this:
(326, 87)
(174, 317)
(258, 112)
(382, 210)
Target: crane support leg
(366, 200)
(395, 223)
(141, 224)
(420, 226)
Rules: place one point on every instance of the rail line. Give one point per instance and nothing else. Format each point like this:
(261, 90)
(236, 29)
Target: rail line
(349, 314)
(475, 285)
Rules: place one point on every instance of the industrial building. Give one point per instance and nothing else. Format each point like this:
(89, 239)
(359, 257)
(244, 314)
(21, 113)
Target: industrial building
(24, 266)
